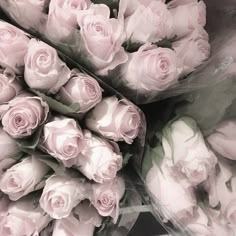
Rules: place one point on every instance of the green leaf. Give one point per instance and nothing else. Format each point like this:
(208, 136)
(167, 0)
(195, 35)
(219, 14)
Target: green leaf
(130, 46)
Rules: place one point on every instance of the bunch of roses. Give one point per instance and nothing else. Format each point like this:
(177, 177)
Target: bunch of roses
(42, 187)
(195, 186)
(166, 41)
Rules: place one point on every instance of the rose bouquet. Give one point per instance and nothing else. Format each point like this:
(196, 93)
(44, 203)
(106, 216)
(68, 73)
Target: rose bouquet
(65, 138)
(144, 49)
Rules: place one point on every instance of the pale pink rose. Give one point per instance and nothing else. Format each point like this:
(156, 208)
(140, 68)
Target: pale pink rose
(24, 218)
(63, 139)
(187, 16)
(82, 221)
(60, 195)
(23, 115)
(99, 160)
(115, 119)
(23, 178)
(158, 69)
(166, 190)
(10, 151)
(44, 70)
(223, 140)
(9, 86)
(81, 89)
(150, 23)
(193, 50)
(62, 17)
(102, 38)
(186, 149)
(13, 47)
(106, 197)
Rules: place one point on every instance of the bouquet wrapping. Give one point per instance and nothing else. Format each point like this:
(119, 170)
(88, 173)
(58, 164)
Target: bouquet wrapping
(66, 139)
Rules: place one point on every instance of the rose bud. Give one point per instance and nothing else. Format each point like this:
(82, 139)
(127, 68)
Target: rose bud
(193, 50)
(63, 139)
(149, 22)
(166, 190)
(114, 119)
(82, 221)
(223, 140)
(187, 152)
(62, 17)
(106, 197)
(159, 69)
(187, 16)
(44, 70)
(23, 178)
(24, 218)
(9, 86)
(23, 115)
(60, 195)
(102, 38)
(81, 89)
(99, 160)
(13, 47)
(10, 151)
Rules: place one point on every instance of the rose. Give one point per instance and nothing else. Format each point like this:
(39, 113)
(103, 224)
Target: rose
(106, 197)
(184, 145)
(44, 70)
(224, 138)
(102, 38)
(158, 69)
(24, 218)
(150, 23)
(62, 17)
(99, 160)
(116, 120)
(23, 178)
(23, 115)
(166, 190)
(193, 50)
(10, 151)
(83, 219)
(63, 139)
(9, 86)
(81, 89)
(60, 195)
(13, 47)
(187, 16)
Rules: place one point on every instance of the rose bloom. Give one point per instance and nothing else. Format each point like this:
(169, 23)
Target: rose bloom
(115, 119)
(62, 17)
(187, 16)
(81, 89)
(23, 178)
(106, 197)
(186, 149)
(9, 86)
(44, 70)
(223, 139)
(23, 218)
(63, 139)
(102, 38)
(149, 23)
(60, 195)
(13, 47)
(87, 218)
(99, 160)
(10, 151)
(193, 50)
(23, 115)
(167, 189)
(159, 69)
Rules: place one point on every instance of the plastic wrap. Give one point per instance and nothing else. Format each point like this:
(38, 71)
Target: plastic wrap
(118, 70)
(60, 70)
